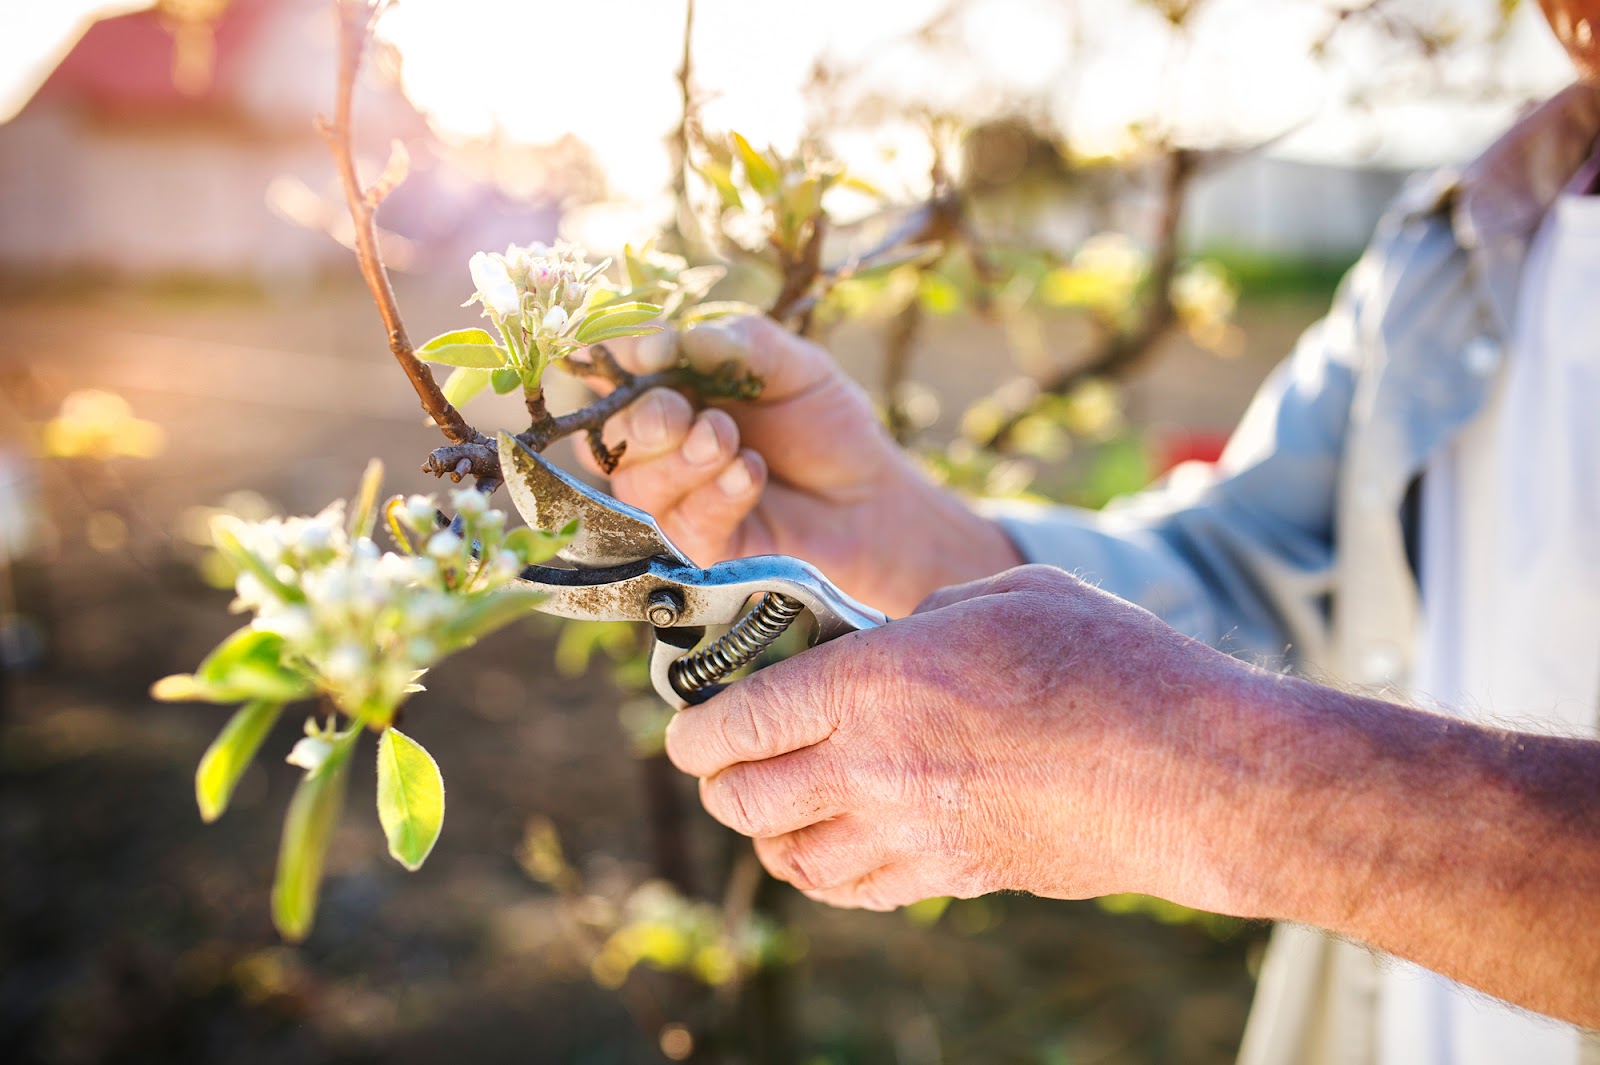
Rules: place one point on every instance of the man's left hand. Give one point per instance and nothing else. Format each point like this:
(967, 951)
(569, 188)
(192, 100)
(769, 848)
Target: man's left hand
(1007, 735)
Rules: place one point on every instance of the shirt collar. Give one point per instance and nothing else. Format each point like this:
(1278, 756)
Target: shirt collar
(1497, 201)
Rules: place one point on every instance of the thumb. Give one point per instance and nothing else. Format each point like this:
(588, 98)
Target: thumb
(788, 365)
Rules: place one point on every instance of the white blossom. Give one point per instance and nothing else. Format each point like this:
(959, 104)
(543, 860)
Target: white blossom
(444, 544)
(554, 320)
(418, 512)
(309, 752)
(495, 287)
(469, 502)
(363, 622)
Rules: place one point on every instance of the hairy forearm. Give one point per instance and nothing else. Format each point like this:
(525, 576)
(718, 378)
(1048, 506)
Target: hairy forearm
(1471, 851)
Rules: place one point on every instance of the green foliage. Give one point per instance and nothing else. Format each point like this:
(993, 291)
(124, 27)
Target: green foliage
(465, 382)
(247, 665)
(338, 618)
(307, 830)
(1276, 279)
(410, 798)
(472, 348)
(230, 754)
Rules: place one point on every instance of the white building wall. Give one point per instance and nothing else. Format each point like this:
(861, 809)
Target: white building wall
(1286, 208)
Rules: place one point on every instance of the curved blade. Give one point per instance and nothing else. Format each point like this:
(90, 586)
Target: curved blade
(610, 532)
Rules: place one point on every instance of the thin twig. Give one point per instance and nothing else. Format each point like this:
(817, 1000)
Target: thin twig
(898, 345)
(482, 458)
(356, 18)
(680, 135)
(1125, 348)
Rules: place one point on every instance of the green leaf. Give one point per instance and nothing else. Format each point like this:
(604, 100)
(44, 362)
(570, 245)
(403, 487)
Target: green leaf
(614, 316)
(484, 612)
(230, 755)
(540, 545)
(474, 356)
(313, 815)
(465, 382)
(721, 179)
(760, 173)
(366, 508)
(506, 379)
(410, 798)
(249, 665)
(600, 336)
(475, 337)
(464, 347)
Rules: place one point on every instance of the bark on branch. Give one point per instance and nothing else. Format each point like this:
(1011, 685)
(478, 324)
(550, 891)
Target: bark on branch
(356, 18)
(1124, 349)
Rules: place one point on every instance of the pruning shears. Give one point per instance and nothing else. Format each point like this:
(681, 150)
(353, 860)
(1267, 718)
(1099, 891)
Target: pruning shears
(622, 567)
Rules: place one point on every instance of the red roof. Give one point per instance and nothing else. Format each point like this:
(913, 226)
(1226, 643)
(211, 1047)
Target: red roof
(126, 65)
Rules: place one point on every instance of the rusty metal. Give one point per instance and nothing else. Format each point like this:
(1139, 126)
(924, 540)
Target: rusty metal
(609, 531)
(625, 569)
(665, 606)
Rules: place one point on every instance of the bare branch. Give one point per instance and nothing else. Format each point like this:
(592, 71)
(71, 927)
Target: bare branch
(1124, 349)
(356, 18)
(680, 135)
(481, 458)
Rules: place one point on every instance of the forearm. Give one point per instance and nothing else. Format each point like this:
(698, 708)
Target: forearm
(1471, 851)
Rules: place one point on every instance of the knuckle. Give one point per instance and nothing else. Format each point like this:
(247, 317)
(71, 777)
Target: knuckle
(741, 729)
(736, 803)
(1035, 577)
(798, 859)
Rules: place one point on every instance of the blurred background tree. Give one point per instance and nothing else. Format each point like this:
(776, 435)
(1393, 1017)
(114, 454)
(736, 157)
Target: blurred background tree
(1131, 209)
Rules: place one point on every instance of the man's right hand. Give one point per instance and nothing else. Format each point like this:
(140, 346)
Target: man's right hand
(805, 470)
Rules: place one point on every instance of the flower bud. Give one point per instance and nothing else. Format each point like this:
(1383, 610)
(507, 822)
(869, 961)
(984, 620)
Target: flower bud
(310, 752)
(469, 502)
(555, 320)
(494, 283)
(444, 544)
(345, 664)
(419, 512)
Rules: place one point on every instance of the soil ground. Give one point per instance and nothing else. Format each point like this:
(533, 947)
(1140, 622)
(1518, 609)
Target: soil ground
(130, 932)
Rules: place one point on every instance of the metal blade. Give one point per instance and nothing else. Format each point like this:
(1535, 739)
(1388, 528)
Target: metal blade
(610, 532)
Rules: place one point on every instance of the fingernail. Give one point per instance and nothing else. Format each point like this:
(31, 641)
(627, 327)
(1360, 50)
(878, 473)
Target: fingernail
(649, 421)
(701, 448)
(657, 351)
(735, 481)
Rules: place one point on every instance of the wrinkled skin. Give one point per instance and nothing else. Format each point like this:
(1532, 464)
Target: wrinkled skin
(1005, 736)
(1027, 732)
(806, 470)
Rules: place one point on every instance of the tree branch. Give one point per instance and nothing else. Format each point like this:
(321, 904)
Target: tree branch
(481, 458)
(682, 216)
(356, 18)
(1121, 351)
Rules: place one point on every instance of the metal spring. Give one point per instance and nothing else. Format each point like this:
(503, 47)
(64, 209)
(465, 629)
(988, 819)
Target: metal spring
(754, 633)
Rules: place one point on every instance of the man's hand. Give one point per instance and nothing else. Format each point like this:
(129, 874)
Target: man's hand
(1002, 737)
(805, 470)
(1030, 732)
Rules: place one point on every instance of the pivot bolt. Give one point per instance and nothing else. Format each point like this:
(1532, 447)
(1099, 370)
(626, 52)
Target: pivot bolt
(665, 606)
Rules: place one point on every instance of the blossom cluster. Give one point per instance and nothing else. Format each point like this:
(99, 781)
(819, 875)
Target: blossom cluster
(535, 294)
(362, 622)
